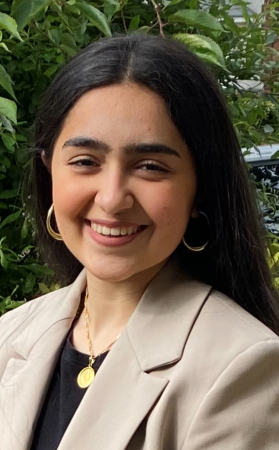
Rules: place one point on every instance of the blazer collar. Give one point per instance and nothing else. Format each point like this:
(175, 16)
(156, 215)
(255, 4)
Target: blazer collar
(158, 328)
(41, 317)
(161, 323)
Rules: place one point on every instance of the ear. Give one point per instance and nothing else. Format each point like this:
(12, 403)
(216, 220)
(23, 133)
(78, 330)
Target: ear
(45, 160)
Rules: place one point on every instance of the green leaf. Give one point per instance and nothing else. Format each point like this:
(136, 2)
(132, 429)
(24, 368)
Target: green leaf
(205, 47)
(55, 35)
(245, 13)
(271, 38)
(67, 39)
(216, 49)
(25, 10)
(20, 138)
(4, 6)
(8, 24)
(4, 47)
(144, 30)
(43, 288)
(15, 304)
(6, 123)
(37, 268)
(3, 260)
(5, 161)
(207, 56)
(8, 142)
(110, 8)
(30, 282)
(8, 108)
(173, 2)
(11, 218)
(51, 70)
(71, 10)
(24, 229)
(192, 40)
(9, 193)
(69, 50)
(134, 24)
(96, 17)
(230, 23)
(197, 19)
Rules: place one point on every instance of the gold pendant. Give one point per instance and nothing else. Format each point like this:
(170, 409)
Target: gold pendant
(85, 377)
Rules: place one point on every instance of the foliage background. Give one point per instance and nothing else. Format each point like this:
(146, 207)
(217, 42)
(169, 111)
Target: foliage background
(37, 37)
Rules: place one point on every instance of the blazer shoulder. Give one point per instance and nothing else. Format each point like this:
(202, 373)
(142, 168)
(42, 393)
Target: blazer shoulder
(236, 318)
(224, 337)
(43, 311)
(16, 320)
(223, 331)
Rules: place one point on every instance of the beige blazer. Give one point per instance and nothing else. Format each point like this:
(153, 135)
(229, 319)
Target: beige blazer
(191, 371)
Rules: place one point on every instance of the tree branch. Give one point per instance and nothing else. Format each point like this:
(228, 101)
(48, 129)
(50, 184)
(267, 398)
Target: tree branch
(157, 10)
(122, 15)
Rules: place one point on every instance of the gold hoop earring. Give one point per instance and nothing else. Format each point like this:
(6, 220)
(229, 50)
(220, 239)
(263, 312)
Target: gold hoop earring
(51, 231)
(201, 247)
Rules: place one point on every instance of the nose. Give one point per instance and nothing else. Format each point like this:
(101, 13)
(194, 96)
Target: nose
(113, 194)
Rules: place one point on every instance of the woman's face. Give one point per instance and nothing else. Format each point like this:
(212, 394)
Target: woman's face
(124, 182)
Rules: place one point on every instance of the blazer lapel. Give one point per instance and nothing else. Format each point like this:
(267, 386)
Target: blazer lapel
(34, 350)
(115, 404)
(126, 386)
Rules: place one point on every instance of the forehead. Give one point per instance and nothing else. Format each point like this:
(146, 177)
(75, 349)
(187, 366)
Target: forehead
(125, 99)
(125, 112)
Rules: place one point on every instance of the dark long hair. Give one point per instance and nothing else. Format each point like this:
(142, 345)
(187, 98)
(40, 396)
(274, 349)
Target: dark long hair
(234, 261)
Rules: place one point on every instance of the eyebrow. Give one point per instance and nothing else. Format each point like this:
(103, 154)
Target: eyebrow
(95, 144)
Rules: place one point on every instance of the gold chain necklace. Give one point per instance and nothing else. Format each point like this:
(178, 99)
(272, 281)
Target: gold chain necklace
(87, 375)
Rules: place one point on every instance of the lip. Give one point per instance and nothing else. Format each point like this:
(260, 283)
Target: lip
(112, 241)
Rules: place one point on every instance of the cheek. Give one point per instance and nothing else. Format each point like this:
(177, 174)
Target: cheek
(69, 195)
(170, 208)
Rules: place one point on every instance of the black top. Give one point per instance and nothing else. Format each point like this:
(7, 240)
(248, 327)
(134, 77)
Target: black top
(63, 397)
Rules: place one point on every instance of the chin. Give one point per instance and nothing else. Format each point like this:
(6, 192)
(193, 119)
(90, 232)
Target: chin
(112, 273)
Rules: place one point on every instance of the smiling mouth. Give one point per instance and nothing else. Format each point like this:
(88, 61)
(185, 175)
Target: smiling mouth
(116, 231)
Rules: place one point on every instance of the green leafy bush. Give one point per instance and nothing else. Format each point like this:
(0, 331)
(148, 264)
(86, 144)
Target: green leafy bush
(37, 37)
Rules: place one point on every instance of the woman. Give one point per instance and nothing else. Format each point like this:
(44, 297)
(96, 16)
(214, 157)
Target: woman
(144, 211)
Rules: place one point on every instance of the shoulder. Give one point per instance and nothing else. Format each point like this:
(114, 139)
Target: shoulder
(237, 371)
(42, 312)
(224, 333)
(230, 319)
(214, 313)
(231, 364)
(22, 316)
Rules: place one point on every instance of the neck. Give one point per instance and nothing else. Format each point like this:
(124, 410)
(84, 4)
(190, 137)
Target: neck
(110, 305)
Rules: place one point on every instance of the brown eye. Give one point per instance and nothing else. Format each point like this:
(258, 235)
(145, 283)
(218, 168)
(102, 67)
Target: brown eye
(83, 162)
(151, 167)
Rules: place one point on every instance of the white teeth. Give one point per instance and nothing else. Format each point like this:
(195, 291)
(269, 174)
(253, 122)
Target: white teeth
(115, 231)
(106, 231)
